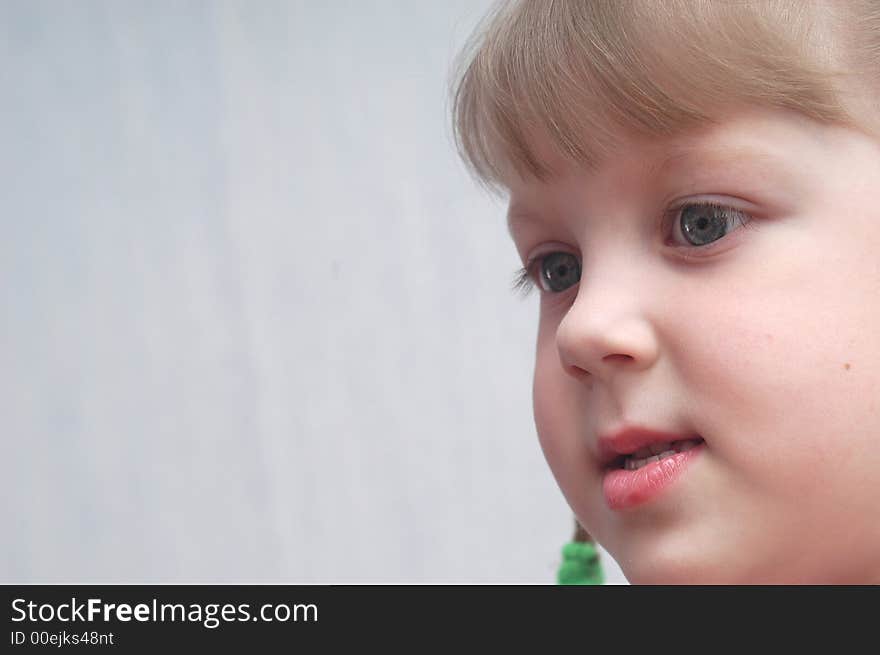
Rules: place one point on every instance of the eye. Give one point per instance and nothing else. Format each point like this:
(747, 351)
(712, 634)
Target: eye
(557, 271)
(703, 223)
(554, 272)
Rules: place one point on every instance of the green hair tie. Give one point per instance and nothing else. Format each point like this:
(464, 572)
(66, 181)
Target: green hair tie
(580, 564)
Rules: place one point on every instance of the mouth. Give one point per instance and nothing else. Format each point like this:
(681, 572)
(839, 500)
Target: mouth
(633, 447)
(654, 452)
(639, 464)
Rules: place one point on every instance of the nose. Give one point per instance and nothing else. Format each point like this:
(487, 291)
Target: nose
(606, 331)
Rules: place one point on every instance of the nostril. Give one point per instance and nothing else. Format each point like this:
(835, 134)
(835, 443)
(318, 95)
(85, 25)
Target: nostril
(577, 372)
(617, 358)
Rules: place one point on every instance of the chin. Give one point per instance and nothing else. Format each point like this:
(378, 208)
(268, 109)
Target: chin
(678, 576)
(720, 571)
(683, 566)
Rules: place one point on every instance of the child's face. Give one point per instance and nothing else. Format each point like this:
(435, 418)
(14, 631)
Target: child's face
(764, 342)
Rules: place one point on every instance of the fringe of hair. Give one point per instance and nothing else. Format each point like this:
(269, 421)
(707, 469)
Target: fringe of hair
(585, 72)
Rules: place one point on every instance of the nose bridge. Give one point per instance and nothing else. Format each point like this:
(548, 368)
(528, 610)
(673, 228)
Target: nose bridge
(614, 283)
(609, 323)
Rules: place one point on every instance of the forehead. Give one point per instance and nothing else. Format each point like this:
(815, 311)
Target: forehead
(758, 145)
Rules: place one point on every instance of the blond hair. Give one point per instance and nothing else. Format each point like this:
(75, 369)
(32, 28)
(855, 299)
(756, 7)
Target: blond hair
(582, 72)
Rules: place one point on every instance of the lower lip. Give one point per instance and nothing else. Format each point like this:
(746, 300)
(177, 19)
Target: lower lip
(624, 489)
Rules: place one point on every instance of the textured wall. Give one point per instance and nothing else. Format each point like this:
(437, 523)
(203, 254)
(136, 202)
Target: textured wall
(256, 319)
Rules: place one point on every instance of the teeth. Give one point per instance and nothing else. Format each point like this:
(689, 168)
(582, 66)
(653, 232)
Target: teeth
(656, 452)
(657, 448)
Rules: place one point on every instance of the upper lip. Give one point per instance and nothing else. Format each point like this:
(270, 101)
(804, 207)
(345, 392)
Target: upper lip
(631, 438)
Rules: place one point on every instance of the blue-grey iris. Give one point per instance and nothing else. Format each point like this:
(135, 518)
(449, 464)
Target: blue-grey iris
(703, 224)
(560, 270)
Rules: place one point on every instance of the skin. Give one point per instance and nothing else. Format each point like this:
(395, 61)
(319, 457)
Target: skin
(764, 343)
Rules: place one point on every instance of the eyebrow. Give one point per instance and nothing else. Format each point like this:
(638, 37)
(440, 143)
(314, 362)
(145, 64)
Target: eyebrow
(758, 159)
(517, 216)
(760, 163)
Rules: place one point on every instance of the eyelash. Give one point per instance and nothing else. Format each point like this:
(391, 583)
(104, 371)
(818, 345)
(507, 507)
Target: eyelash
(524, 278)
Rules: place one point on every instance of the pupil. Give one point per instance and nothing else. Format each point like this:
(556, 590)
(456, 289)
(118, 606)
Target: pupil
(702, 223)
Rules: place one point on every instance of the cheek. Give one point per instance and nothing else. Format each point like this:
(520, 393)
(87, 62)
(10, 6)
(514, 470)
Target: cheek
(548, 400)
(782, 379)
(560, 416)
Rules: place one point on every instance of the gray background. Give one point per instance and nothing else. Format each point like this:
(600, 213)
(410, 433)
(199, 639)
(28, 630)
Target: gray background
(257, 324)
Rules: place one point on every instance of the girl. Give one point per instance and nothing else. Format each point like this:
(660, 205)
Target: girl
(694, 192)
